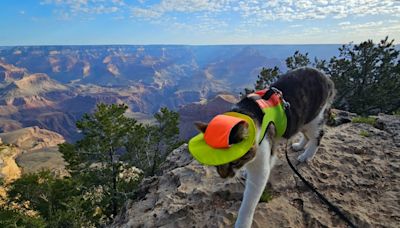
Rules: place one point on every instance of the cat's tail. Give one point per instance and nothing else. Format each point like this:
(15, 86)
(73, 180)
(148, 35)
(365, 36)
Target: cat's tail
(331, 97)
(331, 92)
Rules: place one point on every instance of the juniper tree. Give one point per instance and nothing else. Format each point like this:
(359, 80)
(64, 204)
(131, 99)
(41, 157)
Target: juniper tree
(297, 60)
(264, 79)
(104, 161)
(367, 77)
(95, 159)
(152, 143)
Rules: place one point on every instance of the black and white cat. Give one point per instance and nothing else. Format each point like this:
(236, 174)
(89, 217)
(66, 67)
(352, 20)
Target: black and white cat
(310, 94)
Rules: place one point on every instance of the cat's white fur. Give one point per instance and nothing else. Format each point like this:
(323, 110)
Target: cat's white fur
(258, 170)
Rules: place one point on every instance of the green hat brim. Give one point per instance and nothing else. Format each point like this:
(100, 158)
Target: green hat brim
(208, 155)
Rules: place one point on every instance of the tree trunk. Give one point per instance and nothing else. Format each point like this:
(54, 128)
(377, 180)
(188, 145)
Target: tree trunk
(114, 184)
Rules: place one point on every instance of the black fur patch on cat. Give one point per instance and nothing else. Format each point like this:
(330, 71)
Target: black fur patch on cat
(249, 107)
(238, 133)
(307, 90)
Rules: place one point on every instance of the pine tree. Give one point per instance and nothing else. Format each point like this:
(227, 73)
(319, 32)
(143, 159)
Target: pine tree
(297, 60)
(44, 193)
(110, 158)
(152, 143)
(266, 77)
(95, 159)
(367, 77)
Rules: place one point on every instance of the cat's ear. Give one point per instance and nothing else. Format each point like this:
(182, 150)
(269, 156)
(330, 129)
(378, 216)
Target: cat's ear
(201, 126)
(271, 131)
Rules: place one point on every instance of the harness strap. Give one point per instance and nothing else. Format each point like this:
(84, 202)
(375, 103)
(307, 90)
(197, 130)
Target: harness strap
(273, 106)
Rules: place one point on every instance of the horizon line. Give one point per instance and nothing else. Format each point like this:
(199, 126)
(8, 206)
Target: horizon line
(244, 44)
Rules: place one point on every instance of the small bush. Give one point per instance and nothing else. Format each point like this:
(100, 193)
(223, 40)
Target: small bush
(364, 133)
(266, 196)
(367, 120)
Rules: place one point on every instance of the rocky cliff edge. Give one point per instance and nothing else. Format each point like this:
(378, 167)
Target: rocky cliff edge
(356, 167)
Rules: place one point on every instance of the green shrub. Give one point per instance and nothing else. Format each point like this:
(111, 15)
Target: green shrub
(266, 196)
(367, 120)
(13, 218)
(365, 133)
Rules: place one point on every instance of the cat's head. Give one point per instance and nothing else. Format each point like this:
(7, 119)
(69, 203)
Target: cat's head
(238, 133)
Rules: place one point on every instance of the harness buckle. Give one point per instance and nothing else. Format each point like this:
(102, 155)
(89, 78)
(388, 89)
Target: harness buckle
(286, 104)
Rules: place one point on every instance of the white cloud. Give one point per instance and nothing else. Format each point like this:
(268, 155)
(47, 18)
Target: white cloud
(288, 10)
(372, 29)
(364, 26)
(375, 30)
(145, 13)
(68, 8)
(305, 9)
(190, 5)
(344, 23)
(203, 15)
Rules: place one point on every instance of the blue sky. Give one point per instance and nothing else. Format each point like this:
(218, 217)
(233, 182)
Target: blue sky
(57, 22)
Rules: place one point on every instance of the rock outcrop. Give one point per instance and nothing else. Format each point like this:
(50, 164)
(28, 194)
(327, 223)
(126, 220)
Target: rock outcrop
(32, 138)
(356, 167)
(9, 73)
(203, 111)
(30, 150)
(9, 169)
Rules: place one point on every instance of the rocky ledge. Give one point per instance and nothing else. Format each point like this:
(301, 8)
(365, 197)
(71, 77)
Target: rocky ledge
(357, 167)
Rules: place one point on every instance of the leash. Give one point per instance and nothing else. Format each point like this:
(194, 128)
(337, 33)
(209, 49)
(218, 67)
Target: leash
(320, 196)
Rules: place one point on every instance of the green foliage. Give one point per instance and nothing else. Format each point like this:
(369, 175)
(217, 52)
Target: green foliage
(367, 120)
(367, 77)
(102, 167)
(364, 133)
(44, 192)
(149, 147)
(110, 160)
(297, 60)
(266, 77)
(95, 163)
(266, 196)
(164, 136)
(13, 218)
